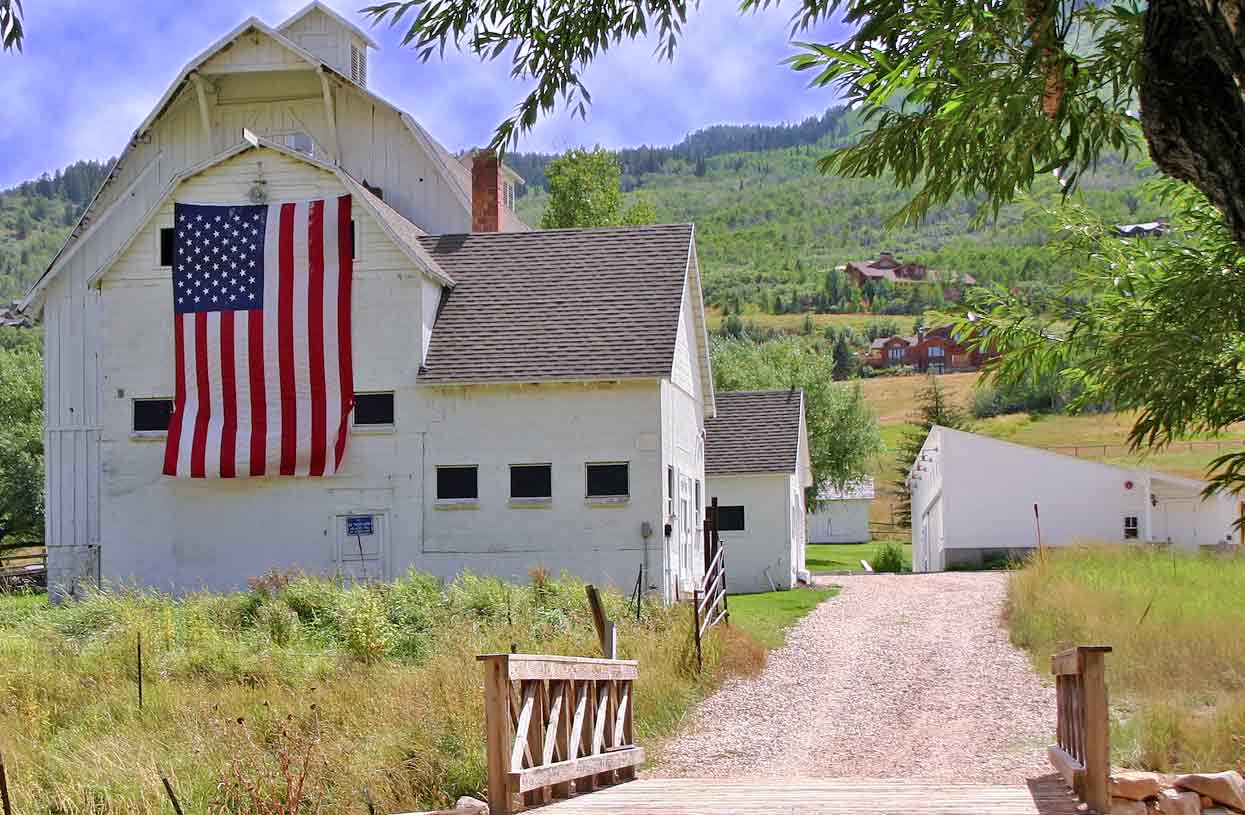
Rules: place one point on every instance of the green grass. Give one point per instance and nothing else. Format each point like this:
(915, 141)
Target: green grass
(379, 683)
(1176, 675)
(766, 616)
(846, 557)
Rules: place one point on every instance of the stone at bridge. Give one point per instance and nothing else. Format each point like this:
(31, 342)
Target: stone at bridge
(1175, 802)
(1227, 788)
(468, 804)
(1124, 806)
(1136, 785)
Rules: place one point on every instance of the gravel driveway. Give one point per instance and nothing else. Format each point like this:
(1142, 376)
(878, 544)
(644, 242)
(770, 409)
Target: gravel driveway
(897, 676)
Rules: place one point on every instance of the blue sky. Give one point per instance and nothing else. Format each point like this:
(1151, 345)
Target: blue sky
(89, 75)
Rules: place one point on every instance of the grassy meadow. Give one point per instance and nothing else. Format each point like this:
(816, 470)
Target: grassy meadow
(821, 558)
(1177, 673)
(794, 323)
(357, 688)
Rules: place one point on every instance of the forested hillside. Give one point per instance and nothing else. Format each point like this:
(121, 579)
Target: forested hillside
(771, 227)
(35, 218)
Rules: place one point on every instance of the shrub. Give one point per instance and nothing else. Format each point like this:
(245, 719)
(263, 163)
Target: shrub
(277, 620)
(364, 624)
(889, 558)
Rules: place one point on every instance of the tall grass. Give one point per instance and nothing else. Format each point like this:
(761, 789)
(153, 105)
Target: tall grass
(354, 688)
(1177, 626)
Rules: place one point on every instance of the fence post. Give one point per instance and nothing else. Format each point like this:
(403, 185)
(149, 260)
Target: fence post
(4, 789)
(500, 731)
(1097, 730)
(696, 627)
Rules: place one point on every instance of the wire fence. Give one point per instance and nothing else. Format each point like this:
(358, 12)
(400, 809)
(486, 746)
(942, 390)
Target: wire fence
(1120, 450)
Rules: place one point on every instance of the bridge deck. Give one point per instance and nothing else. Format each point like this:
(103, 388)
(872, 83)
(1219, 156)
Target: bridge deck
(822, 796)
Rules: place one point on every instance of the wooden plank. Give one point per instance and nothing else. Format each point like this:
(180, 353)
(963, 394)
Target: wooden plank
(628, 773)
(1067, 766)
(587, 783)
(1071, 661)
(498, 734)
(540, 666)
(620, 715)
(598, 615)
(539, 777)
(565, 746)
(522, 728)
(1097, 743)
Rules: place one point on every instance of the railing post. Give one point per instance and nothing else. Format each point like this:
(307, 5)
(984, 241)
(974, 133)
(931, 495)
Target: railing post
(500, 731)
(1097, 730)
(696, 627)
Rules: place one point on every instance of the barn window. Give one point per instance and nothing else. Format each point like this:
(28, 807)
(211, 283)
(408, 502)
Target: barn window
(299, 141)
(610, 480)
(152, 415)
(1130, 527)
(373, 409)
(353, 254)
(669, 492)
(166, 246)
(895, 352)
(731, 519)
(358, 64)
(936, 351)
(531, 481)
(700, 509)
(458, 483)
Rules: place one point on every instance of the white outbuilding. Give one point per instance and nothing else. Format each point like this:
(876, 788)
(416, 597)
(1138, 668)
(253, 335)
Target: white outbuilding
(758, 468)
(842, 515)
(977, 498)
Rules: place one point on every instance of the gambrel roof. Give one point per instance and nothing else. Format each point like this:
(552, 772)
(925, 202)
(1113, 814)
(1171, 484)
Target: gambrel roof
(561, 305)
(755, 432)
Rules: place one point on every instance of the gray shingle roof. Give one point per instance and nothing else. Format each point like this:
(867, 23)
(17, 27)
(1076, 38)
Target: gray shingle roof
(558, 305)
(754, 432)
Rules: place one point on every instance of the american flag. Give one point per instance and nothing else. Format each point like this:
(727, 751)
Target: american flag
(261, 328)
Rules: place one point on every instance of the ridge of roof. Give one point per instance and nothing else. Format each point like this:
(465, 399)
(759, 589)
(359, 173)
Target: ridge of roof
(316, 4)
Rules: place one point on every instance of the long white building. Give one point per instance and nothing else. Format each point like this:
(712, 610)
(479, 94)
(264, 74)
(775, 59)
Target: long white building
(521, 398)
(975, 497)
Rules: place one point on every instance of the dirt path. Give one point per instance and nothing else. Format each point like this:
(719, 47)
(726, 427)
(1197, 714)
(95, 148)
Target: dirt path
(897, 676)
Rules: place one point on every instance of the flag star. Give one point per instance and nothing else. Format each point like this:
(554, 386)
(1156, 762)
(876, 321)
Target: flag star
(213, 298)
(218, 217)
(233, 297)
(251, 295)
(196, 299)
(251, 279)
(198, 218)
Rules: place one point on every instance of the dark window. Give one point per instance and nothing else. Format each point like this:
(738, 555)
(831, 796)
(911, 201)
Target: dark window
(608, 481)
(373, 409)
(669, 491)
(531, 481)
(1130, 526)
(166, 246)
(352, 233)
(457, 483)
(152, 414)
(730, 519)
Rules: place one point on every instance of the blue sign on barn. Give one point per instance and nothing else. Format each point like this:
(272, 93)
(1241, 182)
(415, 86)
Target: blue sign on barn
(358, 525)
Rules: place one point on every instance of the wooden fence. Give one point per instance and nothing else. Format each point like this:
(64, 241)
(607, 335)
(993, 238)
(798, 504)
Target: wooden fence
(556, 726)
(1082, 754)
(709, 603)
(23, 566)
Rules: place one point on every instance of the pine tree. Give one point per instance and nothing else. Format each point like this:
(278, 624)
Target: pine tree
(932, 408)
(844, 359)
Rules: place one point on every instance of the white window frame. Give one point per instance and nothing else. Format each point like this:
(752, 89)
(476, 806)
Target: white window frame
(455, 503)
(514, 501)
(376, 429)
(1134, 527)
(607, 499)
(147, 435)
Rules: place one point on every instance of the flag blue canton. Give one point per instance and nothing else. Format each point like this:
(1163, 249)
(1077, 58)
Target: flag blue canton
(218, 260)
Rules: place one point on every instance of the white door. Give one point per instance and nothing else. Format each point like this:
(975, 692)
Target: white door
(686, 531)
(363, 546)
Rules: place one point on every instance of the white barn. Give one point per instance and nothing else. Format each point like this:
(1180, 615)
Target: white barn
(842, 515)
(973, 497)
(521, 398)
(757, 460)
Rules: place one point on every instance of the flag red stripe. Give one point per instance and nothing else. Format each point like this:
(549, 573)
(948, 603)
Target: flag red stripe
(285, 339)
(204, 407)
(229, 397)
(179, 398)
(345, 266)
(259, 405)
(315, 332)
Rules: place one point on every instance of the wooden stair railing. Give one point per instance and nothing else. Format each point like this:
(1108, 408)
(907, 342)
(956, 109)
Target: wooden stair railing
(556, 726)
(1082, 753)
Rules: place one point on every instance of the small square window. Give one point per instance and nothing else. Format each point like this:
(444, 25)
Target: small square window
(1131, 529)
(353, 254)
(730, 519)
(531, 481)
(373, 409)
(608, 480)
(152, 415)
(166, 246)
(458, 483)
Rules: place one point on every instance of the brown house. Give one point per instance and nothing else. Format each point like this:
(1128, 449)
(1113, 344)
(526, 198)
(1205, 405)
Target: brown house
(893, 270)
(935, 350)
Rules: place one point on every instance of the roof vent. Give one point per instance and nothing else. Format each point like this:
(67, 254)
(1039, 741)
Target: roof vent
(358, 64)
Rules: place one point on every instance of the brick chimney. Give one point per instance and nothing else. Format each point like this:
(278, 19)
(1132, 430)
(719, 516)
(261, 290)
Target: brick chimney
(485, 192)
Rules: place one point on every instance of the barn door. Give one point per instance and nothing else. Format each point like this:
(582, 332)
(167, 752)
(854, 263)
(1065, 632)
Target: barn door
(363, 547)
(687, 533)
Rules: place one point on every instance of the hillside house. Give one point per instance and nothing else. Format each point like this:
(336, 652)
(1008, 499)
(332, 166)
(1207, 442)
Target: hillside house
(842, 514)
(934, 350)
(509, 398)
(973, 498)
(758, 464)
(891, 269)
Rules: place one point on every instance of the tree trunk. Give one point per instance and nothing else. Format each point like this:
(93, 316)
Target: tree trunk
(1192, 93)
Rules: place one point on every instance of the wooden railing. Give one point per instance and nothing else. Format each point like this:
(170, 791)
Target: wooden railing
(1082, 754)
(556, 726)
(709, 604)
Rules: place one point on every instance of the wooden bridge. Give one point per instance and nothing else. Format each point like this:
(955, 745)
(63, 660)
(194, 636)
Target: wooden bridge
(560, 739)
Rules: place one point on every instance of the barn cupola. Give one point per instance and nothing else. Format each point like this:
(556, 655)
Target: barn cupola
(332, 38)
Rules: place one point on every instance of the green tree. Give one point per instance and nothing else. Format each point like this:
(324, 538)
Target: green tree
(585, 190)
(11, 31)
(843, 434)
(21, 438)
(844, 358)
(932, 408)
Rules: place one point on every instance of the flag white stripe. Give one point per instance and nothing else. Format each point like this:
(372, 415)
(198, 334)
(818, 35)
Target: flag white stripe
(242, 389)
(272, 371)
(215, 400)
(302, 347)
(186, 442)
(332, 378)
